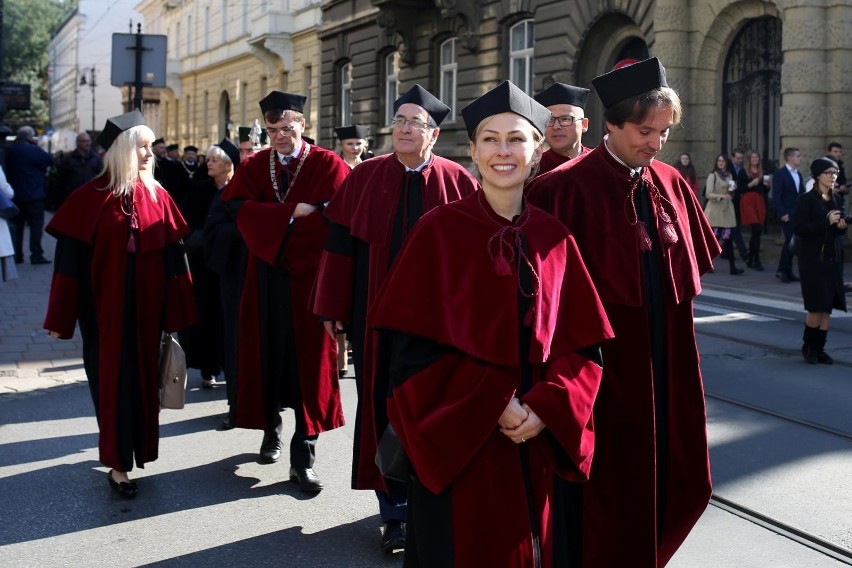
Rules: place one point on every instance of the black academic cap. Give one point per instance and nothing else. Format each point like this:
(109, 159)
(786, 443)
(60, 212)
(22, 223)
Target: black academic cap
(309, 140)
(244, 132)
(562, 94)
(626, 82)
(276, 100)
(190, 149)
(419, 96)
(172, 147)
(158, 141)
(505, 97)
(353, 131)
(231, 150)
(116, 125)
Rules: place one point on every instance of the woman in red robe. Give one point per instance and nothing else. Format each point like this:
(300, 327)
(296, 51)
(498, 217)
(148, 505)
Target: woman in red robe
(121, 272)
(495, 365)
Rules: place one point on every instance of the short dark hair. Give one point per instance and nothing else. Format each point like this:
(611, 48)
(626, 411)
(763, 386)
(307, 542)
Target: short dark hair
(789, 152)
(736, 151)
(635, 109)
(274, 115)
(833, 145)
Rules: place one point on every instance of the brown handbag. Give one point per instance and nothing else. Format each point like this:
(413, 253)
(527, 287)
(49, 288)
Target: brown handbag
(172, 373)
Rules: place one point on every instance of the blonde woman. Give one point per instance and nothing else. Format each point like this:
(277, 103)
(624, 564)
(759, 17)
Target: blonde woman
(494, 325)
(120, 272)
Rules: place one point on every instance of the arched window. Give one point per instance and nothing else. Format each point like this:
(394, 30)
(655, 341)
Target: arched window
(391, 84)
(346, 94)
(521, 42)
(449, 68)
(751, 90)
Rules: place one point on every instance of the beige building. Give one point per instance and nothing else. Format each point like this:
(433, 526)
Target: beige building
(224, 56)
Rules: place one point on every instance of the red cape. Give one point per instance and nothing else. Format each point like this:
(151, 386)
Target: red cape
(94, 217)
(264, 224)
(444, 288)
(550, 160)
(588, 196)
(366, 204)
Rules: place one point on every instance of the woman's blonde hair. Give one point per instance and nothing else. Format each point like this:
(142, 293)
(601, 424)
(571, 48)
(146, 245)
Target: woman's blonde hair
(121, 163)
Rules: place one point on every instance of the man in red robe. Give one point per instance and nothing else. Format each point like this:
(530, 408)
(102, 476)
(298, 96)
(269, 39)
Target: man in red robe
(564, 133)
(646, 243)
(286, 359)
(371, 216)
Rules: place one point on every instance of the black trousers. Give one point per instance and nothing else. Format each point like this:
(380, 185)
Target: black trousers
(32, 214)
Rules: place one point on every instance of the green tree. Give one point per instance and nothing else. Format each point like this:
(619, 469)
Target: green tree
(27, 29)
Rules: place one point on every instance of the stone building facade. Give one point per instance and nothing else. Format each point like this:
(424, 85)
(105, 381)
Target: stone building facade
(753, 74)
(226, 55)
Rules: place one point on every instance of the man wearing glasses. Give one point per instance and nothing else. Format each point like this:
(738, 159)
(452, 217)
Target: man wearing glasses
(564, 133)
(371, 217)
(286, 358)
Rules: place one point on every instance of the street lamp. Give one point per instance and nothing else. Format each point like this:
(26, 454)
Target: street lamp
(91, 82)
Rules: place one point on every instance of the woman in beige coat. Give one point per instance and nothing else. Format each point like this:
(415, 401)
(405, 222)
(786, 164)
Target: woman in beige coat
(719, 192)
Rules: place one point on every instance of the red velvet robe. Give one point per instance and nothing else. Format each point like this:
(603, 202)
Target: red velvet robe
(620, 520)
(266, 228)
(95, 281)
(445, 287)
(366, 205)
(550, 160)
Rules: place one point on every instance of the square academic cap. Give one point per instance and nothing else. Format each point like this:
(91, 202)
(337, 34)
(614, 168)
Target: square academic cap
(419, 96)
(505, 97)
(116, 125)
(626, 82)
(276, 100)
(562, 94)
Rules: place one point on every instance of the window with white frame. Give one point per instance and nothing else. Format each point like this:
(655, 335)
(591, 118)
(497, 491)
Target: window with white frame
(206, 28)
(177, 43)
(245, 16)
(189, 35)
(224, 21)
(346, 94)
(521, 42)
(391, 84)
(449, 68)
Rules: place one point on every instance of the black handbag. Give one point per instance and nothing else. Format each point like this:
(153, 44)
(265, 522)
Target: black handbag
(391, 458)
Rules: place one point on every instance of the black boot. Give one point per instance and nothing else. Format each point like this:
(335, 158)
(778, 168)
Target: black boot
(809, 342)
(819, 347)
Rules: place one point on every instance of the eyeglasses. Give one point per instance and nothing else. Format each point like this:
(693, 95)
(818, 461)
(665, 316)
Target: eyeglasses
(272, 132)
(414, 123)
(831, 172)
(566, 120)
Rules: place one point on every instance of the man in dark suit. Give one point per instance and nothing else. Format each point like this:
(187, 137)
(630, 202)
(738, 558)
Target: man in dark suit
(787, 185)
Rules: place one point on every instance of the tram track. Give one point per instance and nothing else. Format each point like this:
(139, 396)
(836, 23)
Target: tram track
(782, 529)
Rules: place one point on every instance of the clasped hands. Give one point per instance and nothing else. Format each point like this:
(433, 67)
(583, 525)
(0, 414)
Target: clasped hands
(519, 422)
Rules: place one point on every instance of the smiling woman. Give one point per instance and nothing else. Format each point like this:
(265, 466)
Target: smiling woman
(496, 366)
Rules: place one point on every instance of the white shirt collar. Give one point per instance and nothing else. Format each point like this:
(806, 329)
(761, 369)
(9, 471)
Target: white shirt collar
(418, 168)
(294, 156)
(633, 171)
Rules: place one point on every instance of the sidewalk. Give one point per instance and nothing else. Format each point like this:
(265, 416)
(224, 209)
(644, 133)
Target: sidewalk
(30, 360)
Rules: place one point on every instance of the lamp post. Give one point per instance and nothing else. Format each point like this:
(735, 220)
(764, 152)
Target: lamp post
(90, 81)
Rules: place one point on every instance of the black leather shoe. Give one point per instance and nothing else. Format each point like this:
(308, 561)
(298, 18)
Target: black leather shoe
(783, 277)
(393, 536)
(39, 260)
(227, 424)
(307, 479)
(736, 271)
(270, 448)
(793, 277)
(824, 358)
(127, 489)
